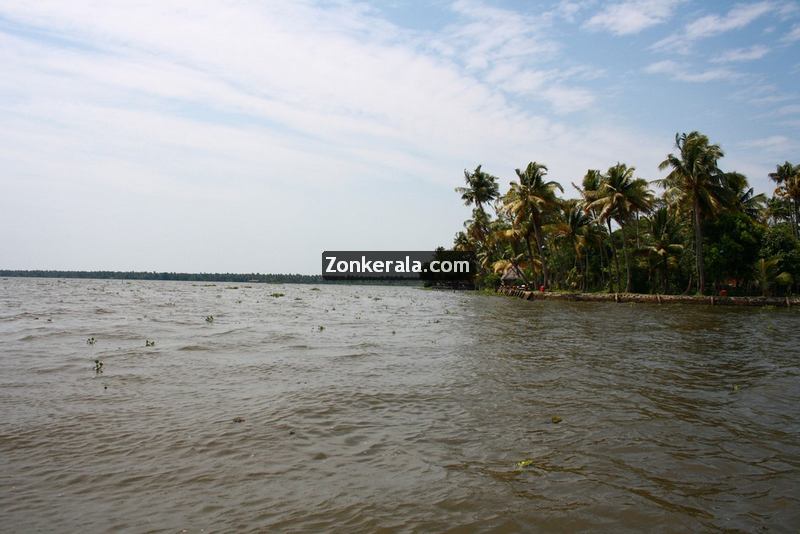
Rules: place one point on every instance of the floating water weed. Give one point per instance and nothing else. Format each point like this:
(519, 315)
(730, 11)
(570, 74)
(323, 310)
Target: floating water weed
(209, 318)
(277, 295)
(149, 343)
(555, 419)
(91, 341)
(98, 367)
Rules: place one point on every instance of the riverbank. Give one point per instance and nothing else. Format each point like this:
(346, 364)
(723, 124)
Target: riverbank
(651, 299)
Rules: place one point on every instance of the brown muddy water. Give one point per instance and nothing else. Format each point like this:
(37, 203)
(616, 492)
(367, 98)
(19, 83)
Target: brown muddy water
(409, 411)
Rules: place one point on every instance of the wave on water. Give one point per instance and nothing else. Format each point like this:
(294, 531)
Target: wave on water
(366, 408)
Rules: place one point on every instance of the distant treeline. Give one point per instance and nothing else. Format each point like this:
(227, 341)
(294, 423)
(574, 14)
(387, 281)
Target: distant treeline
(194, 277)
(187, 277)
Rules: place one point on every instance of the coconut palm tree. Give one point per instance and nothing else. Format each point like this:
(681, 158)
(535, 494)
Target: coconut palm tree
(507, 241)
(571, 230)
(462, 242)
(594, 232)
(767, 271)
(664, 244)
(619, 197)
(743, 198)
(787, 176)
(481, 188)
(478, 230)
(694, 185)
(527, 201)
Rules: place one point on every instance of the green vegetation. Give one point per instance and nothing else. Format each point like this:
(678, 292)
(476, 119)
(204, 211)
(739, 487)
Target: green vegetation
(200, 277)
(706, 232)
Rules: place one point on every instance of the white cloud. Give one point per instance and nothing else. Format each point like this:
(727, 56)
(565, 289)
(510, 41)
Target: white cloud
(508, 49)
(793, 35)
(760, 93)
(632, 16)
(681, 72)
(258, 123)
(737, 17)
(486, 34)
(742, 54)
(774, 143)
(552, 85)
(568, 10)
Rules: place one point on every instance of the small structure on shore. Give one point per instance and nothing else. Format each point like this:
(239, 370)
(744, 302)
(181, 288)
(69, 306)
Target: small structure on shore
(512, 276)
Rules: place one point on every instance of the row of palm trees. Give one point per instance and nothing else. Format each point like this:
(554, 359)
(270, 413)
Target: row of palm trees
(577, 243)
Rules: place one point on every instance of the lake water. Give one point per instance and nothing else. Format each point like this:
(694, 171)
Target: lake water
(408, 410)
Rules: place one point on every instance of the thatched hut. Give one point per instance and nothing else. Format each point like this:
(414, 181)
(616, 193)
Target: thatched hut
(512, 276)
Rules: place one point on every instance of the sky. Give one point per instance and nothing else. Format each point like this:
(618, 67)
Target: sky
(249, 136)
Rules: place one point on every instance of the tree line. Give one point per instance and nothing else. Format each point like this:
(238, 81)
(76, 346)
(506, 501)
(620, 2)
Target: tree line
(187, 277)
(705, 231)
(201, 277)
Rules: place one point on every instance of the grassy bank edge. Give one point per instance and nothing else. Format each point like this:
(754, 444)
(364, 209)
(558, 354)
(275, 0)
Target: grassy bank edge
(785, 302)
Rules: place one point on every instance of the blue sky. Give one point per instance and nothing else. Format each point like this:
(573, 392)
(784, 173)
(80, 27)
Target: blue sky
(250, 136)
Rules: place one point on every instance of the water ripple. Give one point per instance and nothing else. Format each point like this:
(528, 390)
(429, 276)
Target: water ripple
(383, 408)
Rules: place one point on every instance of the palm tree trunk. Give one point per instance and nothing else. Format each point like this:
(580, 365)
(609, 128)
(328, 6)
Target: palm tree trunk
(796, 218)
(484, 230)
(530, 251)
(627, 261)
(586, 271)
(698, 247)
(538, 234)
(602, 263)
(614, 283)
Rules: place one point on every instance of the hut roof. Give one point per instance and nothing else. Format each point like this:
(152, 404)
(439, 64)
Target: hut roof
(511, 274)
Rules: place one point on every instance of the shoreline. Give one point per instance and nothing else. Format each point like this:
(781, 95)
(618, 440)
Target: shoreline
(712, 300)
